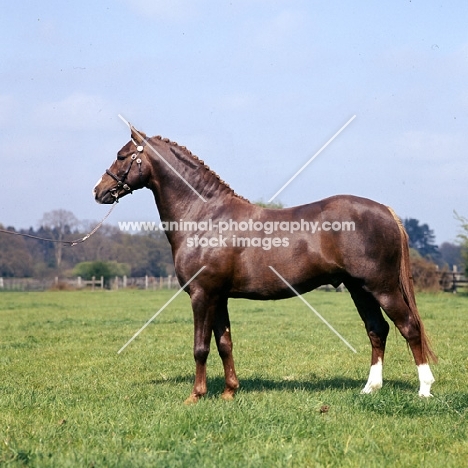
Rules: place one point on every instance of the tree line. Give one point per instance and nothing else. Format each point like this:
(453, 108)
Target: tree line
(134, 254)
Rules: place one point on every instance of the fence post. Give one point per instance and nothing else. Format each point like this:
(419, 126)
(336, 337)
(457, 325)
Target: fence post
(1, 283)
(169, 282)
(146, 281)
(124, 281)
(102, 282)
(93, 279)
(78, 280)
(454, 279)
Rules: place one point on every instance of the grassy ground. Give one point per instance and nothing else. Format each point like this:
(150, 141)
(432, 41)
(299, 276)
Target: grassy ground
(67, 398)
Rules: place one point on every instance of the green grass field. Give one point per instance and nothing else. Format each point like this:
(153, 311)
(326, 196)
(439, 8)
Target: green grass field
(68, 399)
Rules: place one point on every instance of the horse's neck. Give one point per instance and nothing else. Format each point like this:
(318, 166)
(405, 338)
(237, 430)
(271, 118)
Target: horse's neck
(184, 187)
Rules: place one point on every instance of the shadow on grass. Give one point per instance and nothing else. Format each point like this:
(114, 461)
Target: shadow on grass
(395, 398)
(259, 384)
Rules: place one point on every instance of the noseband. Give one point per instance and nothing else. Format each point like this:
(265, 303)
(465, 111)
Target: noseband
(121, 183)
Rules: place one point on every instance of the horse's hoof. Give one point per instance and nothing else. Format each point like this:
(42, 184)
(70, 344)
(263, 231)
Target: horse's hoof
(227, 396)
(371, 388)
(191, 400)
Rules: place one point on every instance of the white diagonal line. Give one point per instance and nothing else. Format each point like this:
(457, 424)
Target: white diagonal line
(312, 158)
(158, 154)
(312, 309)
(161, 309)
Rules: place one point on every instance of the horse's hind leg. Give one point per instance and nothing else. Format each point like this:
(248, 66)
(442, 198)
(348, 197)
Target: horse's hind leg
(377, 330)
(410, 326)
(222, 333)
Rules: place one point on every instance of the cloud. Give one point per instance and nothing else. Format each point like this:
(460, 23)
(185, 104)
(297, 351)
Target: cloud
(78, 111)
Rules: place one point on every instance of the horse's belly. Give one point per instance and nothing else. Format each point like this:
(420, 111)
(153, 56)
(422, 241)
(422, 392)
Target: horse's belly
(280, 276)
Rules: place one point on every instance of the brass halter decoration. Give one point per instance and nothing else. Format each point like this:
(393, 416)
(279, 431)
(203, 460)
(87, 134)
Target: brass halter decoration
(121, 184)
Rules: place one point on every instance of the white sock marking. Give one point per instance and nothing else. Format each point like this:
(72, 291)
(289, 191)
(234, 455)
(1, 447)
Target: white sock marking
(426, 379)
(374, 382)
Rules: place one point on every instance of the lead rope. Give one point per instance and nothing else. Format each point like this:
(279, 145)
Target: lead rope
(69, 243)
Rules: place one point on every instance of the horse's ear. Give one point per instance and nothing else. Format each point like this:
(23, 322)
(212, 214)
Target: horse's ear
(137, 136)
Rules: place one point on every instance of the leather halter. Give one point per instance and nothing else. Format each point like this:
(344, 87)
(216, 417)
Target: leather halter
(121, 183)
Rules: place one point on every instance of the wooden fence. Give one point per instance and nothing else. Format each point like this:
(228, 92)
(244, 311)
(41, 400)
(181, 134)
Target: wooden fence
(453, 281)
(145, 282)
(34, 284)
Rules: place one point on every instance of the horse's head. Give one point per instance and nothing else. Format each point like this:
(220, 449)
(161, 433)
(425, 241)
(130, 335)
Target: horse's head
(129, 172)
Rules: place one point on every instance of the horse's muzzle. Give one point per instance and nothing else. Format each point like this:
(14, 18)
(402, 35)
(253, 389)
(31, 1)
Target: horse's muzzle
(102, 195)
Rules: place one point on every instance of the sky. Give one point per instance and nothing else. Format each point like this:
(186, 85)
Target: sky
(253, 87)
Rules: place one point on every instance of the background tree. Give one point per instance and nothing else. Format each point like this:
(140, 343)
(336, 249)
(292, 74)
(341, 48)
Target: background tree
(15, 259)
(421, 238)
(99, 269)
(271, 205)
(59, 223)
(145, 253)
(451, 254)
(425, 273)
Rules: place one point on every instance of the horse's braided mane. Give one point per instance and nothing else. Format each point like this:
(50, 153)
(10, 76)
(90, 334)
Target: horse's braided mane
(200, 162)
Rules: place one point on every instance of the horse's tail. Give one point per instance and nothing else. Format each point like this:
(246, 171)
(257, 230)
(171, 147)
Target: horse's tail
(407, 289)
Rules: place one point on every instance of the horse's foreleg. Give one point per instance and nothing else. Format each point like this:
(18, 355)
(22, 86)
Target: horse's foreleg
(222, 334)
(203, 317)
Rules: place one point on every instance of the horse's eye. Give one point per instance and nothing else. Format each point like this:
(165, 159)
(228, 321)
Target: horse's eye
(120, 158)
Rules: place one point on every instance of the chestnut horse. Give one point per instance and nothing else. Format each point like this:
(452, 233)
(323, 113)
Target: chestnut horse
(241, 245)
